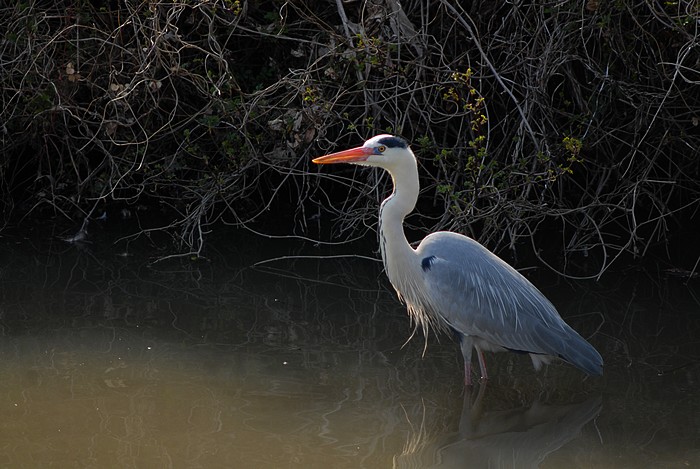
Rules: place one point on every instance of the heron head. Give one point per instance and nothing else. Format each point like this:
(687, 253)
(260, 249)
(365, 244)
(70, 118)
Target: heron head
(385, 151)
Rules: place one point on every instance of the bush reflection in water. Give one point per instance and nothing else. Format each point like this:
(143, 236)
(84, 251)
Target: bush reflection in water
(111, 359)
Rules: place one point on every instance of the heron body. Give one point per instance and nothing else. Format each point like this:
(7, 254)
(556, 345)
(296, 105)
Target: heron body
(451, 282)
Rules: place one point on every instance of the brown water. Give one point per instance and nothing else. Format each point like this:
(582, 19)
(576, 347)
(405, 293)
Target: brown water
(110, 360)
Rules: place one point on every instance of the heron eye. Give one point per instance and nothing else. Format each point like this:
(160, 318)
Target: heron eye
(381, 148)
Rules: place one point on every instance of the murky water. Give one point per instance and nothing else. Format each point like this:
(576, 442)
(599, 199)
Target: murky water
(109, 360)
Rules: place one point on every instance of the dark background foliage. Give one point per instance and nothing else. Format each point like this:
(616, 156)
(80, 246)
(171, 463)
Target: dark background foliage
(577, 121)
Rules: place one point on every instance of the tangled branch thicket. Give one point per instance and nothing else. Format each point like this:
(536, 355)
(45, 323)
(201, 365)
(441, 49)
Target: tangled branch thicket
(578, 115)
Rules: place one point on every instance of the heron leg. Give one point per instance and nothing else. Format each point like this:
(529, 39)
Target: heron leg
(482, 363)
(467, 373)
(466, 345)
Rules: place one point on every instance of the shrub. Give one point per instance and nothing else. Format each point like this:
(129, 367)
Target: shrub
(541, 114)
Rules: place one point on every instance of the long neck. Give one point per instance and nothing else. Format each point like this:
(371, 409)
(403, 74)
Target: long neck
(394, 246)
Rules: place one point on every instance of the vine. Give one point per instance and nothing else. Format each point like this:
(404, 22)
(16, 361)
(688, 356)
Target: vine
(545, 114)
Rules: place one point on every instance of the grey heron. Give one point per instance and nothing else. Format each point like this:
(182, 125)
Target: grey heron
(451, 282)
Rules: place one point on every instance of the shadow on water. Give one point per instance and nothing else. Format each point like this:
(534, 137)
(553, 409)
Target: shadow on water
(110, 360)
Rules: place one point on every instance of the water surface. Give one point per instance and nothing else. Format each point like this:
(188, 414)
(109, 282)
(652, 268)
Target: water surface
(111, 360)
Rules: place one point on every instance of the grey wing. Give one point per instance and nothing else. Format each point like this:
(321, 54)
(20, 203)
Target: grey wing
(478, 294)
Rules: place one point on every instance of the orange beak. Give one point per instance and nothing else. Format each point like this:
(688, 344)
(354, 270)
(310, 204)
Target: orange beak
(353, 155)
